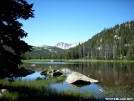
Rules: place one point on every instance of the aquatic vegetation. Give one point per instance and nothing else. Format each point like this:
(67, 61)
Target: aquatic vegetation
(38, 90)
(122, 91)
(47, 71)
(116, 81)
(60, 79)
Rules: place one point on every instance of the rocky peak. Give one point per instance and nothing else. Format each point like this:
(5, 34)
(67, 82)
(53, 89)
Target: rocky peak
(63, 45)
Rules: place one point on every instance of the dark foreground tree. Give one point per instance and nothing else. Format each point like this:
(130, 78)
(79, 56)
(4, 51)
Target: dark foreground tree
(11, 33)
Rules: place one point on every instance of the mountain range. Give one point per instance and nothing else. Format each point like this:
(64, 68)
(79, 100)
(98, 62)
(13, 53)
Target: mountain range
(45, 51)
(116, 42)
(61, 45)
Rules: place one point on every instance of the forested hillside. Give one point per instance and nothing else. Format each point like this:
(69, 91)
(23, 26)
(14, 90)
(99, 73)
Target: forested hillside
(112, 43)
(41, 52)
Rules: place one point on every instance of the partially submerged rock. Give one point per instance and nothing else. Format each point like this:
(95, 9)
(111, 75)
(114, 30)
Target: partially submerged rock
(1, 92)
(47, 71)
(57, 73)
(33, 65)
(51, 72)
(38, 78)
(77, 77)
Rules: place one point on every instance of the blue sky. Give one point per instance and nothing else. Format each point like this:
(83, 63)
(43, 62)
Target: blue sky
(72, 21)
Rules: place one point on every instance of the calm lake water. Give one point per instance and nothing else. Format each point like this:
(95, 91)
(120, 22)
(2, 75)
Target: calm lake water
(109, 74)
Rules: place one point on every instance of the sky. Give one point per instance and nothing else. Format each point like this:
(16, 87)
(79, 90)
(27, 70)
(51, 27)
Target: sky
(72, 21)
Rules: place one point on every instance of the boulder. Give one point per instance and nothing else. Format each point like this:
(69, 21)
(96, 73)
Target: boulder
(57, 73)
(78, 78)
(3, 90)
(33, 65)
(38, 78)
(49, 71)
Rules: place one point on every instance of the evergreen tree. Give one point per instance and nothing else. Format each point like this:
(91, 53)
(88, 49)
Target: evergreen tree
(11, 46)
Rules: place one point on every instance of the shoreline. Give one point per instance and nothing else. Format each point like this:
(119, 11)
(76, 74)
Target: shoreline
(76, 60)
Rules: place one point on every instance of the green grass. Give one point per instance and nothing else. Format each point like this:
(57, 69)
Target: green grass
(80, 60)
(39, 90)
(60, 79)
(37, 60)
(122, 91)
(76, 60)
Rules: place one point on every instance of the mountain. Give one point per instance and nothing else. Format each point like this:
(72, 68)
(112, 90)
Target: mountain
(60, 45)
(45, 51)
(66, 45)
(42, 52)
(47, 48)
(116, 42)
(112, 43)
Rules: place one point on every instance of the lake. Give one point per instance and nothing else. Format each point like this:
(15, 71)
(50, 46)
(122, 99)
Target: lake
(108, 73)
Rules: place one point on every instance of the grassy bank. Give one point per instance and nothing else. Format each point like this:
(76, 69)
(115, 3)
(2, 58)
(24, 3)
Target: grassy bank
(123, 91)
(37, 60)
(39, 90)
(76, 60)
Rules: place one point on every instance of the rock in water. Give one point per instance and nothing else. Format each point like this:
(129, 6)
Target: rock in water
(76, 77)
(33, 65)
(3, 90)
(49, 71)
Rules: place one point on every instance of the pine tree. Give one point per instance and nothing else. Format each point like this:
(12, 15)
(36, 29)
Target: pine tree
(11, 46)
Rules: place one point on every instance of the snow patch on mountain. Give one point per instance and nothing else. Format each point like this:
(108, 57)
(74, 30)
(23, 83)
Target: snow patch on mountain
(63, 45)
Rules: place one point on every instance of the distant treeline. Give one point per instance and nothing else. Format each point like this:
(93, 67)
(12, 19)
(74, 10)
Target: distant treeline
(41, 52)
